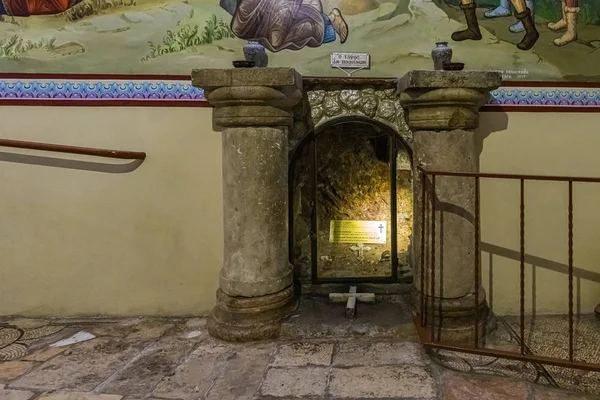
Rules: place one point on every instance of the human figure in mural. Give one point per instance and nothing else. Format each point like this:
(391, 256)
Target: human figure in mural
(570, 12)
(25, 8)
(504, 9)
(285, 24)
(522, 12)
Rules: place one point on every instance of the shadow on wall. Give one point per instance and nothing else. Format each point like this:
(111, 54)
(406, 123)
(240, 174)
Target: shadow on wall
(110, 168)
(536, 262)
(494, 122)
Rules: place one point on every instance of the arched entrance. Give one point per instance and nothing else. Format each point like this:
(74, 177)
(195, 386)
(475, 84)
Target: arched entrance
(351, 203)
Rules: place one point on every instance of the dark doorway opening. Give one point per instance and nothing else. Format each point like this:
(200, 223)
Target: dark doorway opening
(351, 204)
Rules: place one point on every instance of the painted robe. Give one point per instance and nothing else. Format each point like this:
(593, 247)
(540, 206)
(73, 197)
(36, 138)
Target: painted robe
(25, 8)
(281, 24)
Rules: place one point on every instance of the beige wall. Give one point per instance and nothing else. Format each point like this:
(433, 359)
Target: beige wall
(78, 242)
(545, 144)
(149, 241)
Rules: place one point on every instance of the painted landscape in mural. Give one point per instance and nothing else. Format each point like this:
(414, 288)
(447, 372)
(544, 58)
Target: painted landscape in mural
(529, 40)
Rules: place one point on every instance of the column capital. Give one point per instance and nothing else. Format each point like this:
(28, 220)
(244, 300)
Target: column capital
(250, 96)
(445, 100)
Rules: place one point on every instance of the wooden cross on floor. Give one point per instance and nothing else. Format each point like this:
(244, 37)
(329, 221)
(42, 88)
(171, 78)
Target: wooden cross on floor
(351, 298)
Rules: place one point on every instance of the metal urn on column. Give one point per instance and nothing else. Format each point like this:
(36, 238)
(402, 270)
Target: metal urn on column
(441, 54)
(256, 52)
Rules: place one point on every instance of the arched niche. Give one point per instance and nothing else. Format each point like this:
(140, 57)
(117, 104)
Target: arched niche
(351, 168)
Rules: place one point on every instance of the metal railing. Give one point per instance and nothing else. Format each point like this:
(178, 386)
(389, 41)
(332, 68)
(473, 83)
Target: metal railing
(422, 318)
(59, 148)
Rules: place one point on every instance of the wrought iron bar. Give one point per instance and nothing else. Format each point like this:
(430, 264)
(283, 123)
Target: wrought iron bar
(314, 229)
(433, 198)
(522, 276)
(571, 351)
(428, 336)
(394, 206)
(423, 205)
(59, 148)
(477, 262)
(513, 176)
(506, 354)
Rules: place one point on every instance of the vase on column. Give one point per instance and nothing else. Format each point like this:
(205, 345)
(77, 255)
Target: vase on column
(254, 51)
(441, 54)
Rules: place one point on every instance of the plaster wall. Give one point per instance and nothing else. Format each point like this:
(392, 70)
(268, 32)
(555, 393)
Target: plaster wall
(545, 144)
(83, 242)
(79, 241)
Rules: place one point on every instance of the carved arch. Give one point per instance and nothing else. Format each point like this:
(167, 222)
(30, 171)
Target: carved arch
(323, 106)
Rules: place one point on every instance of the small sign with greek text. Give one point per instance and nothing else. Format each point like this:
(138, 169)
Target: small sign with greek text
(350, 60)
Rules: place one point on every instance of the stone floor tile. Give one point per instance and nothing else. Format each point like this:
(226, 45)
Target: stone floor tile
(60, 333)
(299, 354)
(113, 329)
(477, 387)
(299, 398)
(82, 367)
(6, 394)
(78, 396)
(402, 381)
(195, 375)
(139, 398)
(242, 375)
(149, 330)
(43, 354)
(359, 353)
(295, 382)
(142, 375)
(10, 370)
(195, 323)
(193, 329)
(543, 393)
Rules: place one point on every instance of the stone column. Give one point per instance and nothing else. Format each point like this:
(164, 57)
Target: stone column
(442, 110)
(253, 111)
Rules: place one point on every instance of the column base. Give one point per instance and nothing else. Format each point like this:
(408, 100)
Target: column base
(245, 319)
(454, 320)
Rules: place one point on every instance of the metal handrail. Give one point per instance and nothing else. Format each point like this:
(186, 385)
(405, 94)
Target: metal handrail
(509, 176)
(428, 339)
(88, 151)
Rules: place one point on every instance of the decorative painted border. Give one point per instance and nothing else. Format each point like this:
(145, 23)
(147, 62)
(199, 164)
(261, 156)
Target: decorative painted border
(103, 92)
(549, 97)
(98, 90)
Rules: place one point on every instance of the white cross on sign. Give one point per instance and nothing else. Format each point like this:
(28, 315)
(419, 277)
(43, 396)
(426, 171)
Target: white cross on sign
(351, 298)
(360, 248)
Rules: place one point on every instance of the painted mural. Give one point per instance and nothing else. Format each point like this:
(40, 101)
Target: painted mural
(532, 40)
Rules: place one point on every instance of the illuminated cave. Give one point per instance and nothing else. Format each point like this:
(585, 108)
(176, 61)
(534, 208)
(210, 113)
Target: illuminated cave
(351, 170)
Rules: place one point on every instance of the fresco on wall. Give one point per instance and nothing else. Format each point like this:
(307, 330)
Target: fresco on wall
(526, 39)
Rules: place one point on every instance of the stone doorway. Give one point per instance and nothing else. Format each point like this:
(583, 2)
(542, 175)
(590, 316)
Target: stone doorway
(265, 113)
(351, 170)
(356, 123)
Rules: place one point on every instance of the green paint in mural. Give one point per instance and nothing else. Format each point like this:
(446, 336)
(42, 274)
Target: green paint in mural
(526, 39)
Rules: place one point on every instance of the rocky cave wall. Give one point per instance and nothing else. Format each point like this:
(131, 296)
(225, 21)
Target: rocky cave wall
(353, 182)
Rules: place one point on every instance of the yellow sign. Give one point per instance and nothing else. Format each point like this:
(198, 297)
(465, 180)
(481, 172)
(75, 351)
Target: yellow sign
(357, 232)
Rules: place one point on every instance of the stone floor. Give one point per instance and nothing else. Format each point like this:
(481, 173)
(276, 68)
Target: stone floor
(176, 359)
